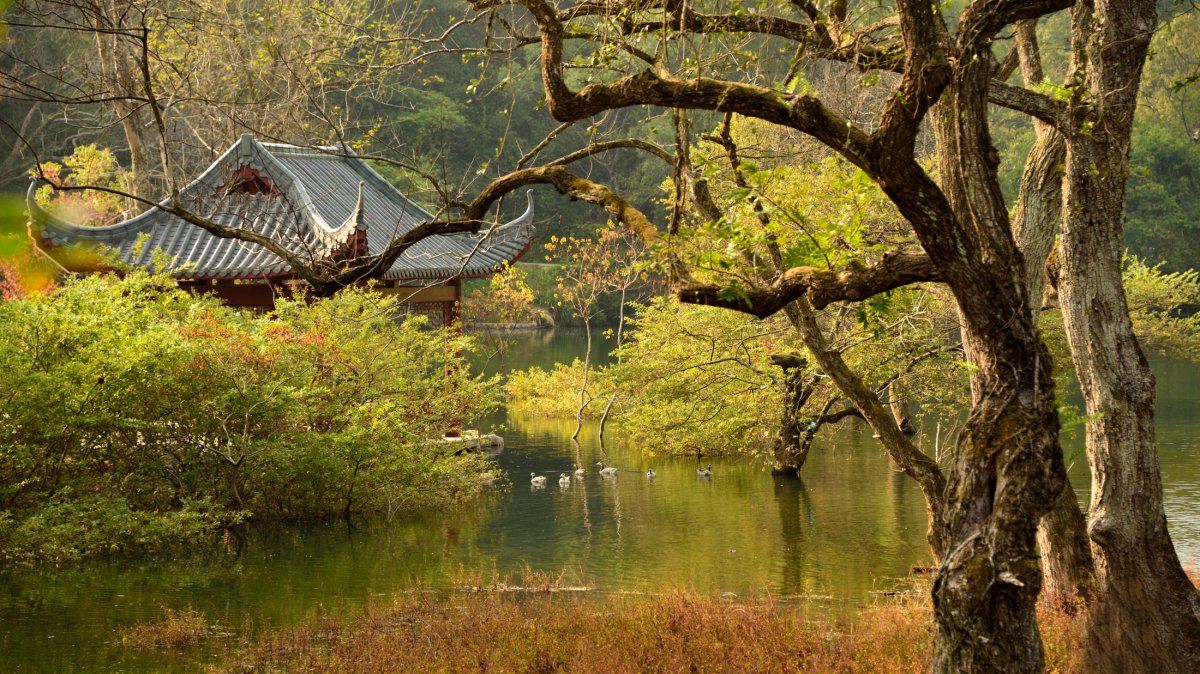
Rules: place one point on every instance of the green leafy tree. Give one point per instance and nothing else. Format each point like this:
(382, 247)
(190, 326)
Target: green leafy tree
(88, 165)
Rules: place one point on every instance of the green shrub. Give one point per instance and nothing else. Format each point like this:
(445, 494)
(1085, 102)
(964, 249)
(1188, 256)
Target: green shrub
(73, 528)
(690, 378)
(695, 377)
(139, 398)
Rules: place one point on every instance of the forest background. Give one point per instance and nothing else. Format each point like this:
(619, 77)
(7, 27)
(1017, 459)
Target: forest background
(459, 119)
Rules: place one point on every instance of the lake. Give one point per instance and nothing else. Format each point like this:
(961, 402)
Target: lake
(852, 528)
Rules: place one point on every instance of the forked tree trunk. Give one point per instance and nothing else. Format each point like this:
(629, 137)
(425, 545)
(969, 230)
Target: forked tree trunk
(899, 447)
(1145, 617)
(1062, 535)
(1067, 568)
(584, 398)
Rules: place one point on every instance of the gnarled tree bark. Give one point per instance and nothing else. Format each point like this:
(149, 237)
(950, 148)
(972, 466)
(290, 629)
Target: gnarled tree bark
(1146, 616)
(1067, 565)
(1008, 466)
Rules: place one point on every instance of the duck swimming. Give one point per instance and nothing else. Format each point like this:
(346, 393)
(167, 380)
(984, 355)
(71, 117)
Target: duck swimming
(537, 480)
(704, 472)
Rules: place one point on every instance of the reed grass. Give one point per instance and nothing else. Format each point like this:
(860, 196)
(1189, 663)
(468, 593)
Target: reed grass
(678, 631)
(177, 629)
(551, 623)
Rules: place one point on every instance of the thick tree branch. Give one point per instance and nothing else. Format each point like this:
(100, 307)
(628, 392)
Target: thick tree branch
(1029, 102)
(822, 287)
(844, 413)
(982, 19)
(605, 146)
(655, 87)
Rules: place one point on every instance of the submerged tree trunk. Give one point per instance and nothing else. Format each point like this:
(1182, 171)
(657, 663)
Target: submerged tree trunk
(584, 399)
(900, 409)
(907, 457)
(612, 398)
(1145, 616)
(791, 445)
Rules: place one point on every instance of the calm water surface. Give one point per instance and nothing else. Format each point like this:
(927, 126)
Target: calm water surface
(851, 528)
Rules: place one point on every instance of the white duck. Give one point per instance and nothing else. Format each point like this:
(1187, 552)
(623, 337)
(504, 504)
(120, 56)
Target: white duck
(704, 472)
(564, 480)
(606, 470)
(650, 474)
(537, 480)
(579, 471)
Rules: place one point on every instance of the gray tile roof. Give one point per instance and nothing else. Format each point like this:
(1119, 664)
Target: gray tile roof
(320, 200)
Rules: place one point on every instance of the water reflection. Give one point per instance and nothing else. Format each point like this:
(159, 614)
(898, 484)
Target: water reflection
(847, 536)
(796, 520)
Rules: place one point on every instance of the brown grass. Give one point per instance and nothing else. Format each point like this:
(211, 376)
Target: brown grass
(676, 632)
(177, 629)
(547, 623)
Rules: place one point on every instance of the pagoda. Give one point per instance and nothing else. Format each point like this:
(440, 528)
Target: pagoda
(321, 203)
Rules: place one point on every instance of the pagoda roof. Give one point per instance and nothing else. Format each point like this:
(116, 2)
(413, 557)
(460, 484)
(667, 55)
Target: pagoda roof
(318, 202)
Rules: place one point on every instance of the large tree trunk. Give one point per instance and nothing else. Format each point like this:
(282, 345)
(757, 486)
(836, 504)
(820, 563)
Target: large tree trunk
(1062, 534)
(1008, 465)
(1067, 565)
(1067, 568)
(1145, 617)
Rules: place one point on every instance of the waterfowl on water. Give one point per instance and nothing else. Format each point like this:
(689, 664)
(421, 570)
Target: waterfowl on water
(704, 472)
(606, 469)
(650, 474)
(579, 471)
(564, 480)
(537, 480)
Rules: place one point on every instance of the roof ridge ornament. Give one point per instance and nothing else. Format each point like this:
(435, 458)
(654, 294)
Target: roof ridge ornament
(525, 220)
(360, 221)
(245, 147)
